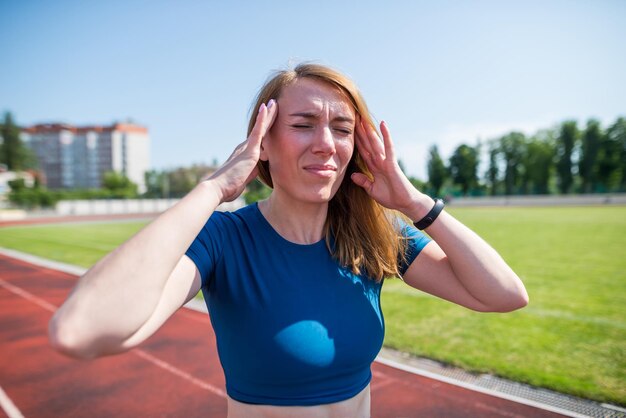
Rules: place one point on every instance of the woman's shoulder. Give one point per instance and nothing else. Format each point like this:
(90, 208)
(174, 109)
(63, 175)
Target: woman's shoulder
(222, 226)
(228, 219)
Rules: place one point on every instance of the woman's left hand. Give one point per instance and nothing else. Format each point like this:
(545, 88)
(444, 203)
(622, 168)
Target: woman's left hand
(458, 265)
(389, 186)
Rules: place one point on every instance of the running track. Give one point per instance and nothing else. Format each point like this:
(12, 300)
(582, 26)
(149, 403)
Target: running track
(175, 373)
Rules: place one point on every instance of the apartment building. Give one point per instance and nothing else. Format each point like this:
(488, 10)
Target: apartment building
(78, 156)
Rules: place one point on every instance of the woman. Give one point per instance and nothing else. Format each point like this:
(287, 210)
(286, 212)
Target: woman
(292, 283)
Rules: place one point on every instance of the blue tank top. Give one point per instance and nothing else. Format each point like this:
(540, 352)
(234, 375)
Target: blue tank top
(292, 326)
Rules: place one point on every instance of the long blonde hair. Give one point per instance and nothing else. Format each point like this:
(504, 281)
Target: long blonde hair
(360, 233)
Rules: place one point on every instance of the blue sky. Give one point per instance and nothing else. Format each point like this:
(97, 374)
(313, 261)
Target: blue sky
(439, 72)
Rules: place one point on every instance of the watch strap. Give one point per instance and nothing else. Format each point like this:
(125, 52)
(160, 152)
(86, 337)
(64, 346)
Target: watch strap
(430, 217)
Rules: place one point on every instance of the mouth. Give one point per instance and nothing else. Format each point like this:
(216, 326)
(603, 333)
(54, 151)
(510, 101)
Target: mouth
(321, 170)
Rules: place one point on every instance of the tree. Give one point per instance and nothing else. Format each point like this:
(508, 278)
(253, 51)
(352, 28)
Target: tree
(619, 131)
(177, 182)
(611, 162)
(539, 161)
(437, 172)
(119, 185)
(512, 149)
(568, 137)
(155, 184)
(13, 151)
(181, 180)
(587, 166)
(464, 166)
(492, 171)
(256, 191)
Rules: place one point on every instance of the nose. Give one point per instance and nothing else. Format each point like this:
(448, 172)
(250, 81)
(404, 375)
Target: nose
(324, 143)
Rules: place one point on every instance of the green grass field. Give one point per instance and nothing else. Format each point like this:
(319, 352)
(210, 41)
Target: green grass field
(571, 337)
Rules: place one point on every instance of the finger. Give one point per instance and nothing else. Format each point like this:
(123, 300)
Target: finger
(257, 131)
(362, 146)
(272, 110)
(374, 144)
(268, 120)
(362, 141)
(372, 160)
(389, 149)
(363, 181)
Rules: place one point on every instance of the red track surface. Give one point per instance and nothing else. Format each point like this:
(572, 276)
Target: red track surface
(176, 373)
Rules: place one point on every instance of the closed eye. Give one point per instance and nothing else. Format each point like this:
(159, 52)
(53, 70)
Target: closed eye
(301, 126)
(343, 130)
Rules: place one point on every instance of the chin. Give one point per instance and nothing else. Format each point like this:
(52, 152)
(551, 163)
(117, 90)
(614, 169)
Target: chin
(319, 196)
(311, 193)
(322, 198)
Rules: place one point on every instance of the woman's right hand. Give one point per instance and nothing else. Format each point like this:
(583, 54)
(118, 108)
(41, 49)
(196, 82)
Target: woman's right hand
(240, 168)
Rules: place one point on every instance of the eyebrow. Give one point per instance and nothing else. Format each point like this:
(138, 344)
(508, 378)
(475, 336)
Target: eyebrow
(312, 115)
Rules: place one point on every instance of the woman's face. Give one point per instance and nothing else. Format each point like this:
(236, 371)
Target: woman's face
(311, 141)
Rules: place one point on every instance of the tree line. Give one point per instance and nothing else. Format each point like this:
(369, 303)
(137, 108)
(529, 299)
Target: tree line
(176, 182)
(564, 159)
(561, 160)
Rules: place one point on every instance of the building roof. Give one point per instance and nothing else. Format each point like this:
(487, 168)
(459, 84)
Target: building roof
(46, 128)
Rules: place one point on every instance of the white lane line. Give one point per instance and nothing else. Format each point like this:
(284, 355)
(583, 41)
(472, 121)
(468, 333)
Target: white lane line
(8, 406)
(28, 296)
(43, 262)
(141, 353)
(476, 388)
(193, 304)
(201, 307)
(178, 372)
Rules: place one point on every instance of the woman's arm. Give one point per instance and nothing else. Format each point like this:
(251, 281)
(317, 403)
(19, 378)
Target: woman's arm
(458, 265)
(461, 267)
(129, 293)
(117, 296)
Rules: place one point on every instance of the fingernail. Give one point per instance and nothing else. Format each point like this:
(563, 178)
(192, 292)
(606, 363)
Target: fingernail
(270, 104)
(261, 107)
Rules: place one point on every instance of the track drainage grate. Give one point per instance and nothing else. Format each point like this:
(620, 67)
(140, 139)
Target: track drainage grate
(539, 397)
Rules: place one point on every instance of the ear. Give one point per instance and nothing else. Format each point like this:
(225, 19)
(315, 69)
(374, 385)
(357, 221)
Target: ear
(264, 154)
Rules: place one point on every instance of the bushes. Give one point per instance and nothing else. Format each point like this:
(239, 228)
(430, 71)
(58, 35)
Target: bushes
(33, 198)
(256, 191)
(116, 186)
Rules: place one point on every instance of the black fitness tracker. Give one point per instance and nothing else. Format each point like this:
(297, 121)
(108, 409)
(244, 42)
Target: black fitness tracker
(430, 217)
